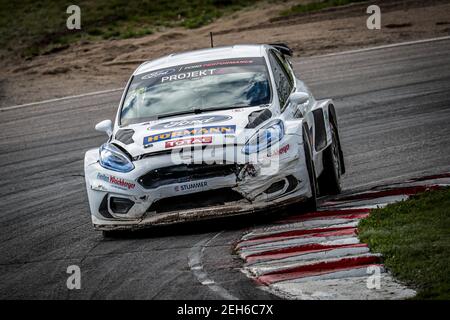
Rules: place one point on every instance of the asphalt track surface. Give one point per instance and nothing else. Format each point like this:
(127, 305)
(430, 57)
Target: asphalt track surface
(394, 110)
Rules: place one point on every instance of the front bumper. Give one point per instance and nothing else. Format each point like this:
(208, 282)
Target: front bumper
(286, 160)
(201, 214)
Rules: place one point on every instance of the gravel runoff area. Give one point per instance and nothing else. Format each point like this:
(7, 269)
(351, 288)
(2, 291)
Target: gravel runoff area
(90, 66)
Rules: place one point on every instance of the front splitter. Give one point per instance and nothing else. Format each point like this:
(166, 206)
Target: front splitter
(201, 214)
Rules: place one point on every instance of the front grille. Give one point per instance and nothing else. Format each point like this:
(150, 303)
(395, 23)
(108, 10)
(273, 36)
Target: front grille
(183, 173)
(196, 200)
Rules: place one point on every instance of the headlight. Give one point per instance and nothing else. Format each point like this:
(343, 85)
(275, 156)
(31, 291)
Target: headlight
(113, 158)
(265, 137)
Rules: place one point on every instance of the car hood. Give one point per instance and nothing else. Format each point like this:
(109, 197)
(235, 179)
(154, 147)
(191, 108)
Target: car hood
(208, 128)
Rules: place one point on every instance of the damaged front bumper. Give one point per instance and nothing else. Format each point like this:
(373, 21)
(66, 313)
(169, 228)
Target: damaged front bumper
(199, 214)
(138, 199)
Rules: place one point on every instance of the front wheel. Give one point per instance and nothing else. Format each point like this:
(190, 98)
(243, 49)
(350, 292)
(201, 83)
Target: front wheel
(310, 205)
(330, 179)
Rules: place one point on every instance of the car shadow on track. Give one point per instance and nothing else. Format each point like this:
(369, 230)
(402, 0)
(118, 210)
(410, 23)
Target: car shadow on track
(233, 223)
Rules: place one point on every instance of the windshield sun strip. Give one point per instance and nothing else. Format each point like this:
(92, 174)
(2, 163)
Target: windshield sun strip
(263, 63)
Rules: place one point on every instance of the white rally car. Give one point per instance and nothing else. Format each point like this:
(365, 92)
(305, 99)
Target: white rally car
(213, 133)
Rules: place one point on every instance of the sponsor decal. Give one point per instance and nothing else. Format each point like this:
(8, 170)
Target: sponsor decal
(188, 141)
(159, 73)
(188, 75)
(191, 186)
(103, 177)
(197, 121)
(198, 70)
(210, 130)
(117, 182)
(232, 62)
(281, 151)
(227, 62)
(284, 149)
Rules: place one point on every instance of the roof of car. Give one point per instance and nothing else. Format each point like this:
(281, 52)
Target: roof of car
(218, 53)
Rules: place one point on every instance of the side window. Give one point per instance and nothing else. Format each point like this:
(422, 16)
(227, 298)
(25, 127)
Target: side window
(283, 82)
(286, 65)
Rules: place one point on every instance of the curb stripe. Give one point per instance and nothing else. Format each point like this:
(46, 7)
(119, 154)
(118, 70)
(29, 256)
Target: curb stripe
(347, 231)
(318, 269)
(290, 234)
(326, 213)
(300, 250)
(331, 217)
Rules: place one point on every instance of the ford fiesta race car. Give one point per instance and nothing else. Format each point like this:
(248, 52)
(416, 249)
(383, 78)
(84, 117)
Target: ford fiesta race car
(212, 133)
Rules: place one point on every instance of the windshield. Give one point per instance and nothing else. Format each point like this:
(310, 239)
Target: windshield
(195, 87)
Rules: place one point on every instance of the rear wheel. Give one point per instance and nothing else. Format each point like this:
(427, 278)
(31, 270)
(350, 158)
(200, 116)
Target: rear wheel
(310, 204)
(330, 179)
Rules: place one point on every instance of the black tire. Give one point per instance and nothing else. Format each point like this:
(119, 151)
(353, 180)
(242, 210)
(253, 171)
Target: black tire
(330, 179)
(310, 205)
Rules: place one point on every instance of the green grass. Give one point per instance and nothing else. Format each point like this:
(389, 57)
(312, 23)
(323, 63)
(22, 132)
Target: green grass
(316, 6)
(29, 27)
(414, 238)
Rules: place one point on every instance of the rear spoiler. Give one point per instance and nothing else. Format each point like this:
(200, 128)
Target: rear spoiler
(283, 48)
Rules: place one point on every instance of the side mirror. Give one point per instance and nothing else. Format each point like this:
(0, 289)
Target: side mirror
(299, 98)
(104, 126)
